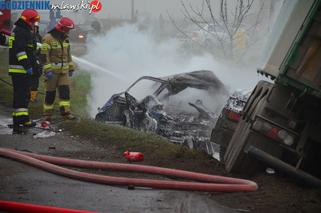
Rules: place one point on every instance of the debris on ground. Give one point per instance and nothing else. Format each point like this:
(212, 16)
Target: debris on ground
(168, 109)
(44, 134)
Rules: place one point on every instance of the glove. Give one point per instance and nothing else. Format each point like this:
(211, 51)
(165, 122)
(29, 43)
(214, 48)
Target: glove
(71, 73)
(30, 71)
(49, 74)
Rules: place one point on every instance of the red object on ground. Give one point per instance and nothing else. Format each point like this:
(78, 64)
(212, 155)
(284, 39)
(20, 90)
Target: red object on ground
(8, 206)
(209, 183)
(133, 156)
(45, 124)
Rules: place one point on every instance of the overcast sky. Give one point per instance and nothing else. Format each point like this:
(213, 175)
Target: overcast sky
(122, 8)
(154, 8)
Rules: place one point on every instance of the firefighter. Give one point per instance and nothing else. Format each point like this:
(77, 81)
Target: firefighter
(58, 68)
(21, 63)
(34, 78)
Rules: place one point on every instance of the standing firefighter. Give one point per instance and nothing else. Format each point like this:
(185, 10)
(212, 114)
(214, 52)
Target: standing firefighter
(21, 63)
(57, 67)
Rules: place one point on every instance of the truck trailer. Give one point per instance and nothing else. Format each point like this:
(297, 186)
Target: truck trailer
(280, 126)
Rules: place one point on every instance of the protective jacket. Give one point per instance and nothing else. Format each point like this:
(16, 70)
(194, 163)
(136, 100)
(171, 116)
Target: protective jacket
(56, 53)
(21, 49)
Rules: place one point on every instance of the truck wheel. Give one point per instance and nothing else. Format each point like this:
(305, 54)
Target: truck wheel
(235, 159)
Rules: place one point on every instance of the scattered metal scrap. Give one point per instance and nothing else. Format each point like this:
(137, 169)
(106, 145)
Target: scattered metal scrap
(156, 112)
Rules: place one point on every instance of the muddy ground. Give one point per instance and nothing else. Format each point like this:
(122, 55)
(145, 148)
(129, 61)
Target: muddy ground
(23, 183)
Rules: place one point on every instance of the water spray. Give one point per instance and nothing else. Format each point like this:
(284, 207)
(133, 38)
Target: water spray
(97, 68)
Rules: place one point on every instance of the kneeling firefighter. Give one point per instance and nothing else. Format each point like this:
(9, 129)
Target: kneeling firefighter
(58, 68)
(21, 65)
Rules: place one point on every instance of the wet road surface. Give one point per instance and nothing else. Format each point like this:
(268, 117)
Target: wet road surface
(22, 183)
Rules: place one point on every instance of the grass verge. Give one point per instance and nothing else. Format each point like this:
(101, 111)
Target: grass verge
(158, 151)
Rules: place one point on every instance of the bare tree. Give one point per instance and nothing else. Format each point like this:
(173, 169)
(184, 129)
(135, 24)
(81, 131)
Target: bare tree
(227, 19)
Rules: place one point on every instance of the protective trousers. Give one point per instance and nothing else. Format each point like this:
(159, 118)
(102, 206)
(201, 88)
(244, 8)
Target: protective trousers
(61, 82)
(34, 84)
(21, 94)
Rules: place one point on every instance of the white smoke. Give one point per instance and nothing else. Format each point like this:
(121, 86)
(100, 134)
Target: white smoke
(130, 53)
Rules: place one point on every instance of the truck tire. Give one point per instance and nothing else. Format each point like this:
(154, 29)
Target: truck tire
(235, 158)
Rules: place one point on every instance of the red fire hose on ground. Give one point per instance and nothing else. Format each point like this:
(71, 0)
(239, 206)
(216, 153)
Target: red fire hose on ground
(210, 183)
(12, 207)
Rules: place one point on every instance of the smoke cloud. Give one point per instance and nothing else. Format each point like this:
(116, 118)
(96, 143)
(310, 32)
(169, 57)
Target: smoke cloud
(126, 53)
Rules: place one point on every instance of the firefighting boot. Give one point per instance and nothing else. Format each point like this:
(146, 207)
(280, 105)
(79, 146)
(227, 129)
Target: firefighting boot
(33, 96)
(19, 130)
(29, 124)
(69, 116)
(17, 126)
(65, 112)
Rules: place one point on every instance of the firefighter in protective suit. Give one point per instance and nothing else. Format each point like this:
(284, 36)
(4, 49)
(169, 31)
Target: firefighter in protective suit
(58, 68)
(21, 63)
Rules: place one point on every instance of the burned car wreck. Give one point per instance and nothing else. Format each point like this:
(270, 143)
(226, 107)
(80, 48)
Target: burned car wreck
(163, 110)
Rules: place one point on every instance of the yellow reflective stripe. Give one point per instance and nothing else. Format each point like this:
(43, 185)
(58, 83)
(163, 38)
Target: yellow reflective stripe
(61, 68)
(45, 48)
(64, 103)
(48, 107)
(29, 45)
(14, 70)
(65, 44)
(16, 114)
(71, 65)
(11, 39)
(56, 47)
(22, 57)
(47, 67)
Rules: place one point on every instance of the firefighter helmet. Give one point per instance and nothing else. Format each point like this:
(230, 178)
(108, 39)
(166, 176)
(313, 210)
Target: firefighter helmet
(30, 16)
(65, 24)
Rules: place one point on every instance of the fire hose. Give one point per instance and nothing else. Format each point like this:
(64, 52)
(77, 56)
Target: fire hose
(9, 206)
(209, 183)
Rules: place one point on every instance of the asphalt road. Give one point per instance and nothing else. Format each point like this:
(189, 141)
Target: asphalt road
(23, 183)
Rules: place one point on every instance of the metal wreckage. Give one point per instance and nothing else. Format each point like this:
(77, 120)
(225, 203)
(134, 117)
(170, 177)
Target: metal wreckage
(162, 110)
